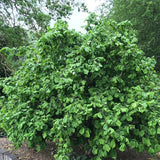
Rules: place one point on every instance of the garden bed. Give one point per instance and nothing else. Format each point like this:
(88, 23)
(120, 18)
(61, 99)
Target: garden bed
(24, 153)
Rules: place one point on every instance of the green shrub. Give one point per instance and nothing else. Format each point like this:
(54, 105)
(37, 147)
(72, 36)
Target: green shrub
(95, 90)
(5, 71)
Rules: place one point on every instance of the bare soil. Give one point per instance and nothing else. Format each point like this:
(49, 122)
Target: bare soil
(24, 153)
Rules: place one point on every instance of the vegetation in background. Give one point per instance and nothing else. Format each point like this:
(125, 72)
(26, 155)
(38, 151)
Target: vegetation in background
(5, 71)
(21, 22)
(12, 37)
(145, 17)
(36, 15)
(96, 90)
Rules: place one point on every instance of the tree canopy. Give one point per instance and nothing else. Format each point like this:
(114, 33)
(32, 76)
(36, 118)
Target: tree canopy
(145, 17)
(12, 36)
(36, 14)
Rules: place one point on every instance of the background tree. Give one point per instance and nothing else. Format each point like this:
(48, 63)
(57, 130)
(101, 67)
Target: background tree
(145, 17)
(36, 14)
(12, 36)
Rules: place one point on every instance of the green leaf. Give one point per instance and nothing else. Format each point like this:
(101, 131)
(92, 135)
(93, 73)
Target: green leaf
(87, 49)
(151, 150)
(85, 71)
(157, 148)
(87, 133)
(134, 105)
(106, 147)
(113, 144)
(38, 148)
(141, 147)
(141, 133)
(158, 130)
(82, 131)
(122, 147)
(48, 91)
(122, 99)
(101, 141)
(134, 40)
(146, 141)
(94, 151)
(118, 123)
(129, 119)
(99, 115)
(132, 144)
(44, 135)
(110, 98)
(137, 69)
(124, 109)
(116, 95)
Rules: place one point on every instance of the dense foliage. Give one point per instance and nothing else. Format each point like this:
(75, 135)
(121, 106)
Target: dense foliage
(96, 90)
(12, 37)
(5, 71)
(145, 17)
(21, 22)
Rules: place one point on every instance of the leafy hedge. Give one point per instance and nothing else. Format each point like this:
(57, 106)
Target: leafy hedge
(96, 89)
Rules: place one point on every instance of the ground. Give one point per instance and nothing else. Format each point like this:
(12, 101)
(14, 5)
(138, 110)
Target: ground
(24, 153)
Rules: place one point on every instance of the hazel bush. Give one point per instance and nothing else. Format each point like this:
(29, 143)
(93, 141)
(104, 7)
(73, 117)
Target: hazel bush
(95, 90)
